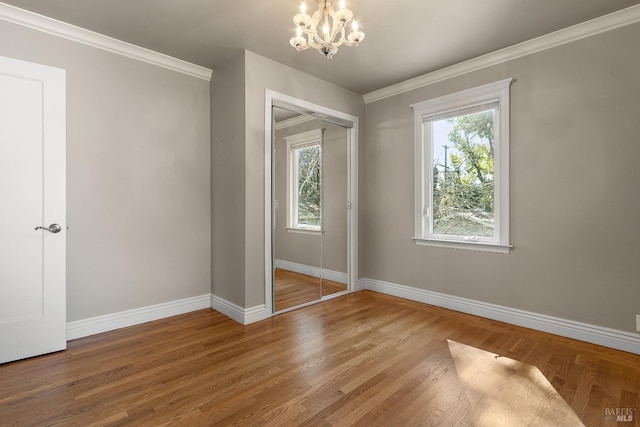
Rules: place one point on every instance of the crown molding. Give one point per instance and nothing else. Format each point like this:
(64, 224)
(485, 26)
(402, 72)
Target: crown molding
(621, 18)
(61, 29)
(298, 120)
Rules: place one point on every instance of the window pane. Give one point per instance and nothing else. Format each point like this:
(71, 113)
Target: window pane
(463, 173)
(309, 186)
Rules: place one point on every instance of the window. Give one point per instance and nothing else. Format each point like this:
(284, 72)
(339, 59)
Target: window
(462, 169)
(304, 181)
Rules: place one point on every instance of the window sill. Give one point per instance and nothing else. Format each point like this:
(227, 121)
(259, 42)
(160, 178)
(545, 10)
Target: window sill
(455, 244)
(303, 230)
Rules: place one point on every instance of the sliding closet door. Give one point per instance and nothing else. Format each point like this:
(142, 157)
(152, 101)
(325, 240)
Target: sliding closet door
(297, 209)
(310, 234)
(335, 214)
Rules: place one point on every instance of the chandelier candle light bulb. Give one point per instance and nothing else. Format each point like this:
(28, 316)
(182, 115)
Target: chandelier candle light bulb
(334, 33)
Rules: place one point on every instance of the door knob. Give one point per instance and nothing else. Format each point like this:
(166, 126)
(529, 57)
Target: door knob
(53, 228)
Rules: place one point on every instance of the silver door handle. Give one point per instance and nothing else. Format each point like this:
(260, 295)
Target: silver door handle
(53, 228)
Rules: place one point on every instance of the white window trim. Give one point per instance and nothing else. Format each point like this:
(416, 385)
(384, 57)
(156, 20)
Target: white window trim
(311, 138)
(497, 91)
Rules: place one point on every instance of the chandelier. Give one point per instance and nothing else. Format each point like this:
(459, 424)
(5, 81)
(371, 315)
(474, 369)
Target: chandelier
(333, 29)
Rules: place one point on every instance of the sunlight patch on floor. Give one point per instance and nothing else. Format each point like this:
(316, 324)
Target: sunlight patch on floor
(505, 392)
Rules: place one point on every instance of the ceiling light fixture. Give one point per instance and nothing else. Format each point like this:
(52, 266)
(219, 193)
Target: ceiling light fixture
(333, 29)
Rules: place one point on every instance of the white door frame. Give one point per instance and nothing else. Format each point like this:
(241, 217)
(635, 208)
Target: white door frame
(352, 194)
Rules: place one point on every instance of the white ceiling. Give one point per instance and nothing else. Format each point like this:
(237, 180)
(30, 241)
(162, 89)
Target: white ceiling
(404, 38)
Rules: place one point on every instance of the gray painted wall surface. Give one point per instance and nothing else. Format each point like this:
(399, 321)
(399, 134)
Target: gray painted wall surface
(137, 176)
(329, 250)
(139, 156)
(263, 73)
(227, 174)
(575, 200)
(335, 194)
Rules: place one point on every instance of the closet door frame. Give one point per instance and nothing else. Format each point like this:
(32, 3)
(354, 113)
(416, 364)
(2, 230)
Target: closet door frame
(351, 122)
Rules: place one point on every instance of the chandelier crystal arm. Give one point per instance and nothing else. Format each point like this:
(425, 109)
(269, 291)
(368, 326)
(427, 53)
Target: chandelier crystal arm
(315, 19)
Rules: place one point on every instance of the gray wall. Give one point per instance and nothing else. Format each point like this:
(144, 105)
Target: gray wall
(228, 192)
(328, 250)
(140, 195)
(137, 176)
(334, 198)
(262, 73)
(575, 200)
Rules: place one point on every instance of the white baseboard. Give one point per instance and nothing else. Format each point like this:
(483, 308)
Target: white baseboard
(621, 340)
(334, 276)
(237, 313)
(123, 319)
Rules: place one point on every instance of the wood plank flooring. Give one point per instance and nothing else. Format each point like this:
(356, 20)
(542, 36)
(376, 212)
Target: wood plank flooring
(362, 359)
(293, 289)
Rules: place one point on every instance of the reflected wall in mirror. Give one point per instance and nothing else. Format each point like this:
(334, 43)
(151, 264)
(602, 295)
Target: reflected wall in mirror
(335, 171)
(309, 209)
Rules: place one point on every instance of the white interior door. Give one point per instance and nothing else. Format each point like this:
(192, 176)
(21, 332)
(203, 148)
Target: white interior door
(32, 194)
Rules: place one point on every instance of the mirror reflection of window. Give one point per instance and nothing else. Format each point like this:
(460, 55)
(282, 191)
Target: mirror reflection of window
(304, 178)
(308, 187)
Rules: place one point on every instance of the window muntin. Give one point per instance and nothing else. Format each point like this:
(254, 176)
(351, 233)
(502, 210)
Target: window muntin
(304, 181)
(462, 170)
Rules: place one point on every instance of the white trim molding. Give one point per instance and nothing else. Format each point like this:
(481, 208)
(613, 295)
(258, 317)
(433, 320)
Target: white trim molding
(241, 315)
(489, 97)
(621, 18)
(334, 276)
(61, 29)
(109, 322)
(293, 121)
(136, 316)
(613, 338)
(472, 246)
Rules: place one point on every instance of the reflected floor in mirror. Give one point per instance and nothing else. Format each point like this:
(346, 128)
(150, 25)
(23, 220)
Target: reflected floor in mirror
(293, 289)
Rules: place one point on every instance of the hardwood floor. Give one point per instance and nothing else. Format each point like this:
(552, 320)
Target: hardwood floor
(293, 289)
(360, 359)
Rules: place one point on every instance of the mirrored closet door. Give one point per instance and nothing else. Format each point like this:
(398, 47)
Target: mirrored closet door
(310, 211)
